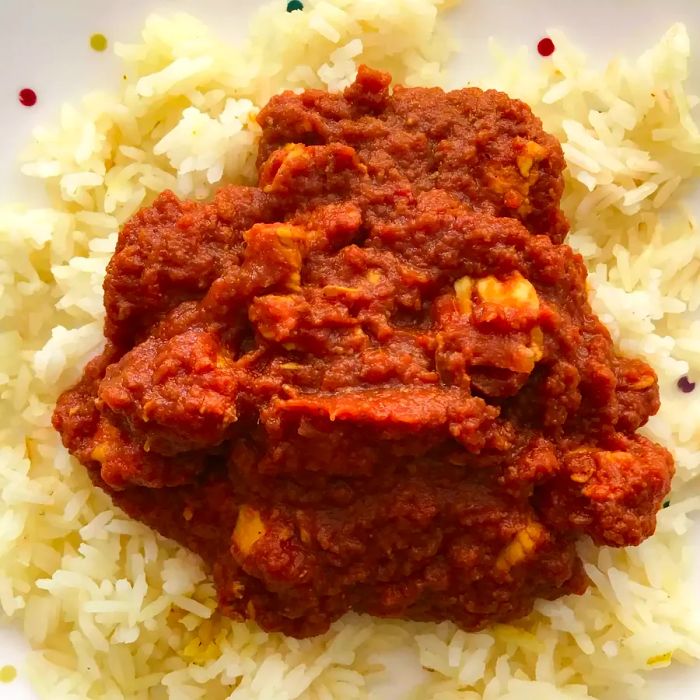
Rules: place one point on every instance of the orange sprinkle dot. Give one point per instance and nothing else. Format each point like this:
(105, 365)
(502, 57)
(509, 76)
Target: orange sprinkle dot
(98, 42)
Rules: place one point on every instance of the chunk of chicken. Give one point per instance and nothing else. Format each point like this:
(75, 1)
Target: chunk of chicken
(522, 547)
(174, 395)
(249, 529)
(512, 299)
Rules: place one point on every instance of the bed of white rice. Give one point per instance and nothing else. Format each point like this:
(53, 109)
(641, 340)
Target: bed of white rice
(114, 611)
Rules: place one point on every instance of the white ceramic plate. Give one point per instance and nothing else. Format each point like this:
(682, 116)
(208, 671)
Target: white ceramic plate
(45, 46)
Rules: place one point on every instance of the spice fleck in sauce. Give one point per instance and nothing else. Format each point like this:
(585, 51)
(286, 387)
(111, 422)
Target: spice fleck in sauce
(27, 97)
(293, 5)
(545, 47)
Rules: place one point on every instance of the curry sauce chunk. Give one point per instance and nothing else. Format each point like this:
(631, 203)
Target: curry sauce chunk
(371, 381)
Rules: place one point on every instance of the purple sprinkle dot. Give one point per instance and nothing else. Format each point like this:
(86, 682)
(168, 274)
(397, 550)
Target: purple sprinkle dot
(685, 385)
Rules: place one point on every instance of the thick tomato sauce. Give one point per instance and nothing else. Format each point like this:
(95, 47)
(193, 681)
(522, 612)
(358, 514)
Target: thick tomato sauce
(374, 381)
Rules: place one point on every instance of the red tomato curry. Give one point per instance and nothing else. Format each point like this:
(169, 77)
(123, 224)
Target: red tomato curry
(374, 380)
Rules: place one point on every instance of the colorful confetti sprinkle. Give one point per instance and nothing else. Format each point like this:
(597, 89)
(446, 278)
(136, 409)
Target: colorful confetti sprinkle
(545, 47)
(293, 5)
(98, 42)
(27, 97)
(7, 674)
(685, 385)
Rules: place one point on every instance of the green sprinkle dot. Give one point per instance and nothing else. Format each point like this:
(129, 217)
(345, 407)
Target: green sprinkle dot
(294, 5)
(7, 674)
(98, 42)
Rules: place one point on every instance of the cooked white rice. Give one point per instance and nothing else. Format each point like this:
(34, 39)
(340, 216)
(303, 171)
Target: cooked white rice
(113, 610)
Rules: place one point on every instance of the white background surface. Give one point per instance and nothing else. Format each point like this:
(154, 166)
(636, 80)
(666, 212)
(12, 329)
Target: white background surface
(44, 45)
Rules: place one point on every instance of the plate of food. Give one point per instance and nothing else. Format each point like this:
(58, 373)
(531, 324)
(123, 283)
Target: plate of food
(349, 350)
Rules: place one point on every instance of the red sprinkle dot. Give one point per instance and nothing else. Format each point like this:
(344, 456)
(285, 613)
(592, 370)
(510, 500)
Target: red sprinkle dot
(545, 47)
(27, 97)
